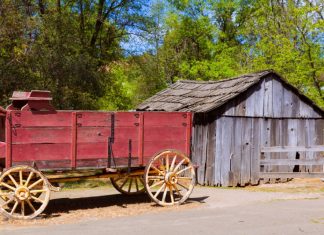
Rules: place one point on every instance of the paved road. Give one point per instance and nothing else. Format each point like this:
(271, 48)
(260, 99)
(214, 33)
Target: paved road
(233, 212)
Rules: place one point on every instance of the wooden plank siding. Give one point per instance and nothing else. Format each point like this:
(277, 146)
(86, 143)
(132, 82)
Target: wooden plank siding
(229, 149)
(255, 154)
(268, 115)
(210, 162)
(235, 118)
(198, 152)
(270, 98)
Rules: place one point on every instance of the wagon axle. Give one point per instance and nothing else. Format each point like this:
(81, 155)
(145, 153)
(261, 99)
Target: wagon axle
(171, 178)
(22, 193)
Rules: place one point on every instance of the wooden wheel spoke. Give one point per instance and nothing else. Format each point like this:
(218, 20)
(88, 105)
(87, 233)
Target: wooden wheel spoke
(156, 184)
(156, 169)
(30, 205)
(20, 177)
(22, 209)
(13, 180)
(155, 177)
(162, 165)
(36, 183)
(183, 170)
(38, 191)
(183, 186)
(142, 181)
(5, 194)
(177, 190)
(14, 208)
(37, 199)
(136, 185)
(173, 162)
(118, 179)
(7, 186)
(130, 185)
(184, 178)
(160, 189)
(123, 184)
(165, 193)
(171, 194)
(179, 164)
(7, 202)
(167, 162)
(29, 178)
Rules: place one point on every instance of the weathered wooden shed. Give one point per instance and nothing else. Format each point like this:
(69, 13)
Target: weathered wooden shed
(248, 127)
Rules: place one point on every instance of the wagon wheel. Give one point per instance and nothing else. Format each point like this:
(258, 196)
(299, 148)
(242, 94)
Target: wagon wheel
(129, 185)
(24, 192)
(173, 177)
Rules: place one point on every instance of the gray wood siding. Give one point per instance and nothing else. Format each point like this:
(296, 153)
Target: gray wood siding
(270, 98)
(233, 146)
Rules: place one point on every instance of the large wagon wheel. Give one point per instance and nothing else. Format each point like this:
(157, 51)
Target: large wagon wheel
(24, 192)
(173, 177)
(128, 185)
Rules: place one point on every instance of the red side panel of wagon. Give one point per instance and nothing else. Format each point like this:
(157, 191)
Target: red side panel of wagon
(37, 134)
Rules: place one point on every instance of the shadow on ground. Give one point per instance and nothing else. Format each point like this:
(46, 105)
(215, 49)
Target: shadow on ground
(66, 205)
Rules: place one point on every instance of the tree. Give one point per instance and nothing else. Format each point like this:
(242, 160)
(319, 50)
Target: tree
(285, 36)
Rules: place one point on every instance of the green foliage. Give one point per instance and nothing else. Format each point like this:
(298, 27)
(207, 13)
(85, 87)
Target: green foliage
(118, 91)
(64, 47)
(284, 37)
(76, 49)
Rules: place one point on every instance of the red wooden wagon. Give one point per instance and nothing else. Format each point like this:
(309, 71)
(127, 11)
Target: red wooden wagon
(40, 146)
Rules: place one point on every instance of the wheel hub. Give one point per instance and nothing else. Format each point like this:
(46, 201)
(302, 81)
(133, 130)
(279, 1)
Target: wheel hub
(22, 193)
(171, 178)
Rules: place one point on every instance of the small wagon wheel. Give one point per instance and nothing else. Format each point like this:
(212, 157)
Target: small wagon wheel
(24, 192)
(129, 185)
(173, 177)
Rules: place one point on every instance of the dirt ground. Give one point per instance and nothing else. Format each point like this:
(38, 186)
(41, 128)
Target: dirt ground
(76, 205)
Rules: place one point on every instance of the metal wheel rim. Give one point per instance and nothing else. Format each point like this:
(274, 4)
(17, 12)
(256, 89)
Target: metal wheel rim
(169, 170)
(24, 192)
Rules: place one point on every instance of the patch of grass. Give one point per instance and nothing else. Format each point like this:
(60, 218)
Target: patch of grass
(287, 189)
(318, 221)
(293, 186)
(85, 184)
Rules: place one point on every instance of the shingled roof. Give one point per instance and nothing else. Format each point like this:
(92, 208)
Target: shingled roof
(200, 96)
(204, 96)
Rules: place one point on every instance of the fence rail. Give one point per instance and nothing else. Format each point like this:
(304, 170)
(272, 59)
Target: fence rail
(286, 149)
(277, 175)
(292, 162)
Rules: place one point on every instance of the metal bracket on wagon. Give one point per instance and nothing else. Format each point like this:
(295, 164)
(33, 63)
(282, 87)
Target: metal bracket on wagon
(54, 189)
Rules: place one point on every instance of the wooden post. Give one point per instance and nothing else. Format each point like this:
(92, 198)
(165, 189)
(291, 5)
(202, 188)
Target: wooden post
(74, 140)
(141, 139)
(8, 140)
(188, 134)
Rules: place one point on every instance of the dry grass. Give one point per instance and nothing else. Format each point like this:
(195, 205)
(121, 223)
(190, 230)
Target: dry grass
(86, 184)
(293, 186)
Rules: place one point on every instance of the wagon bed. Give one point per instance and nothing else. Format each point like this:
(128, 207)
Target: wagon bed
(38, 141)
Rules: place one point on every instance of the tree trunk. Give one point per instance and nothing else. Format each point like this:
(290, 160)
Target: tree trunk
(41, 7)
(81, 21)
(58, 6)
(99, 23)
